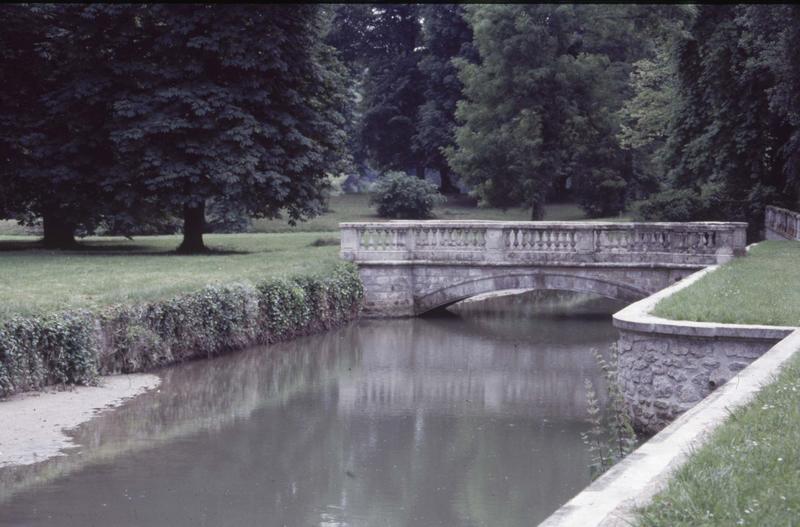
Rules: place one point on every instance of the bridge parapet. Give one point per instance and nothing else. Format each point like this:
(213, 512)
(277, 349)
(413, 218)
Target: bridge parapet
(543, 243)
(781, 224)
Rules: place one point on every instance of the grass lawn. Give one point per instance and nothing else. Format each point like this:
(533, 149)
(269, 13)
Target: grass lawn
(108, 270)
(761, 288)
(749, 471)
(116, 270)
(355, 207)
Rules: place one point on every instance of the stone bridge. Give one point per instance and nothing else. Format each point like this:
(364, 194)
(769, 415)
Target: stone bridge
(410, 267)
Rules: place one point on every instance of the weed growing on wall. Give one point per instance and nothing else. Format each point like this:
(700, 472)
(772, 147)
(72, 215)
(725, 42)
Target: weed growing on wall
(611, 437)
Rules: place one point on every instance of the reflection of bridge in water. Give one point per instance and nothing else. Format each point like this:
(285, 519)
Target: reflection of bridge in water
(537, 368)
(409, 268)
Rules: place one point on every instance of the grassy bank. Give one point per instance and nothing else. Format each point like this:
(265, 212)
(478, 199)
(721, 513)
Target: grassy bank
(117, 270)
(77, 345)
(761, 288)
(749, 471)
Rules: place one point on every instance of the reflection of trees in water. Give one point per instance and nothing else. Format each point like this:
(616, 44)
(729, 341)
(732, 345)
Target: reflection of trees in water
(401, 422)
(195, 396)
(441, 364)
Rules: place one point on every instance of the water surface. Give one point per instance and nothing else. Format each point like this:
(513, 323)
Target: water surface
(470, 420)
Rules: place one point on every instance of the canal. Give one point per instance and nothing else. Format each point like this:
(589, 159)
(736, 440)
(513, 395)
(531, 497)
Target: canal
(467, 419)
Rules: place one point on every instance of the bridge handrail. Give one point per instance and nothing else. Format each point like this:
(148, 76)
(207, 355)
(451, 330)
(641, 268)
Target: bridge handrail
(783, 221)
(690, 243)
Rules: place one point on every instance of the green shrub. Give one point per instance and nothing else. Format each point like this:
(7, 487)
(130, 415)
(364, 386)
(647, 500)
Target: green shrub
(73, 347)
(54, 349)
(398, 195)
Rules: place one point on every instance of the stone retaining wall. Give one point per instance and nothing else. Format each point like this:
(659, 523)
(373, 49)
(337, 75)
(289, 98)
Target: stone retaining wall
(611, 500)
(667, 366)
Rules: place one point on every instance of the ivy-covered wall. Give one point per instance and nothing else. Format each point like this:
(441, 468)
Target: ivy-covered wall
(76, 346)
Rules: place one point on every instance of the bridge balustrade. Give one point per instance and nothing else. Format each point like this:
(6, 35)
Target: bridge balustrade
(782, 223)
(555, 243)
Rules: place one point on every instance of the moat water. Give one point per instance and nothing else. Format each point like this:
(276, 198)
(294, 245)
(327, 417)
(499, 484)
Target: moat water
(456, 420)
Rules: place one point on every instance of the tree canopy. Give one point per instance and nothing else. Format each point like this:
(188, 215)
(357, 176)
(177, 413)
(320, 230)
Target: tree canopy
(116, 117)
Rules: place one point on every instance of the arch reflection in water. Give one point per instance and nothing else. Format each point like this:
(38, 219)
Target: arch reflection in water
(471, 420)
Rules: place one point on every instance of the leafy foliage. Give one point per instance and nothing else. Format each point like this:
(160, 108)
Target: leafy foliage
(169, 106)
(398, 195)
(392, 88)
(609, 440)
(446, 35)
(730, 140)
(73, 347)
(538, 109)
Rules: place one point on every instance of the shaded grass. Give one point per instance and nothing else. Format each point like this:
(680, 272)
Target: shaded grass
(749, 471)
(761, 288)
(117, 270)
(109, 270)
(355, 207)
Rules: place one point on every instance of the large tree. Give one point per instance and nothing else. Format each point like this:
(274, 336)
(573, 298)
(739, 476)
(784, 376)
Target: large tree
(540, 105)
(446, 35)
(730, 140)
(393, 87)
(241, 104)
(56, 153)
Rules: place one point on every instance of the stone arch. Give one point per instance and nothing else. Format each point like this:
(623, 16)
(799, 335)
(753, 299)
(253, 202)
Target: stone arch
(529, 281)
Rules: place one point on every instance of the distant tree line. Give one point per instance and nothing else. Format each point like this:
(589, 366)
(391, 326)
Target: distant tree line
(678, 112)
(124, 116)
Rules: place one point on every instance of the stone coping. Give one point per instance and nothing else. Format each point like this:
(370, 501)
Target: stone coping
(612, 499)
(528, 265)
(566, 225)
(637, 317)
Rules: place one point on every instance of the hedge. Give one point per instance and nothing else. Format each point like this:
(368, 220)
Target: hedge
(75, 347)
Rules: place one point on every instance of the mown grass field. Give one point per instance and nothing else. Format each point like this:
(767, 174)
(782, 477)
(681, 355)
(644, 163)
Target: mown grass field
(108, 270)
(761, 288)
(355, 207)
(117, 270)
(749, 471)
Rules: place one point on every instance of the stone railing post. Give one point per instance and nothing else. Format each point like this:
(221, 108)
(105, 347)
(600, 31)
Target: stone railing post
(349, 243)
(495, 246)
(731, 242)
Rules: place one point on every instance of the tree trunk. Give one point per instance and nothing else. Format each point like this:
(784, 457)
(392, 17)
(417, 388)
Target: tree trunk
(194, 223)
(537, 208)
(58, 233)
(420, 171)
(446, 186)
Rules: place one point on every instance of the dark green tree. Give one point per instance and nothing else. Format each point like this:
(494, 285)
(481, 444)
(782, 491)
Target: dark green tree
(729, 147)
(241, 104)
(539, 107)
(56, 154)
(446, 35)
(393, 87)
